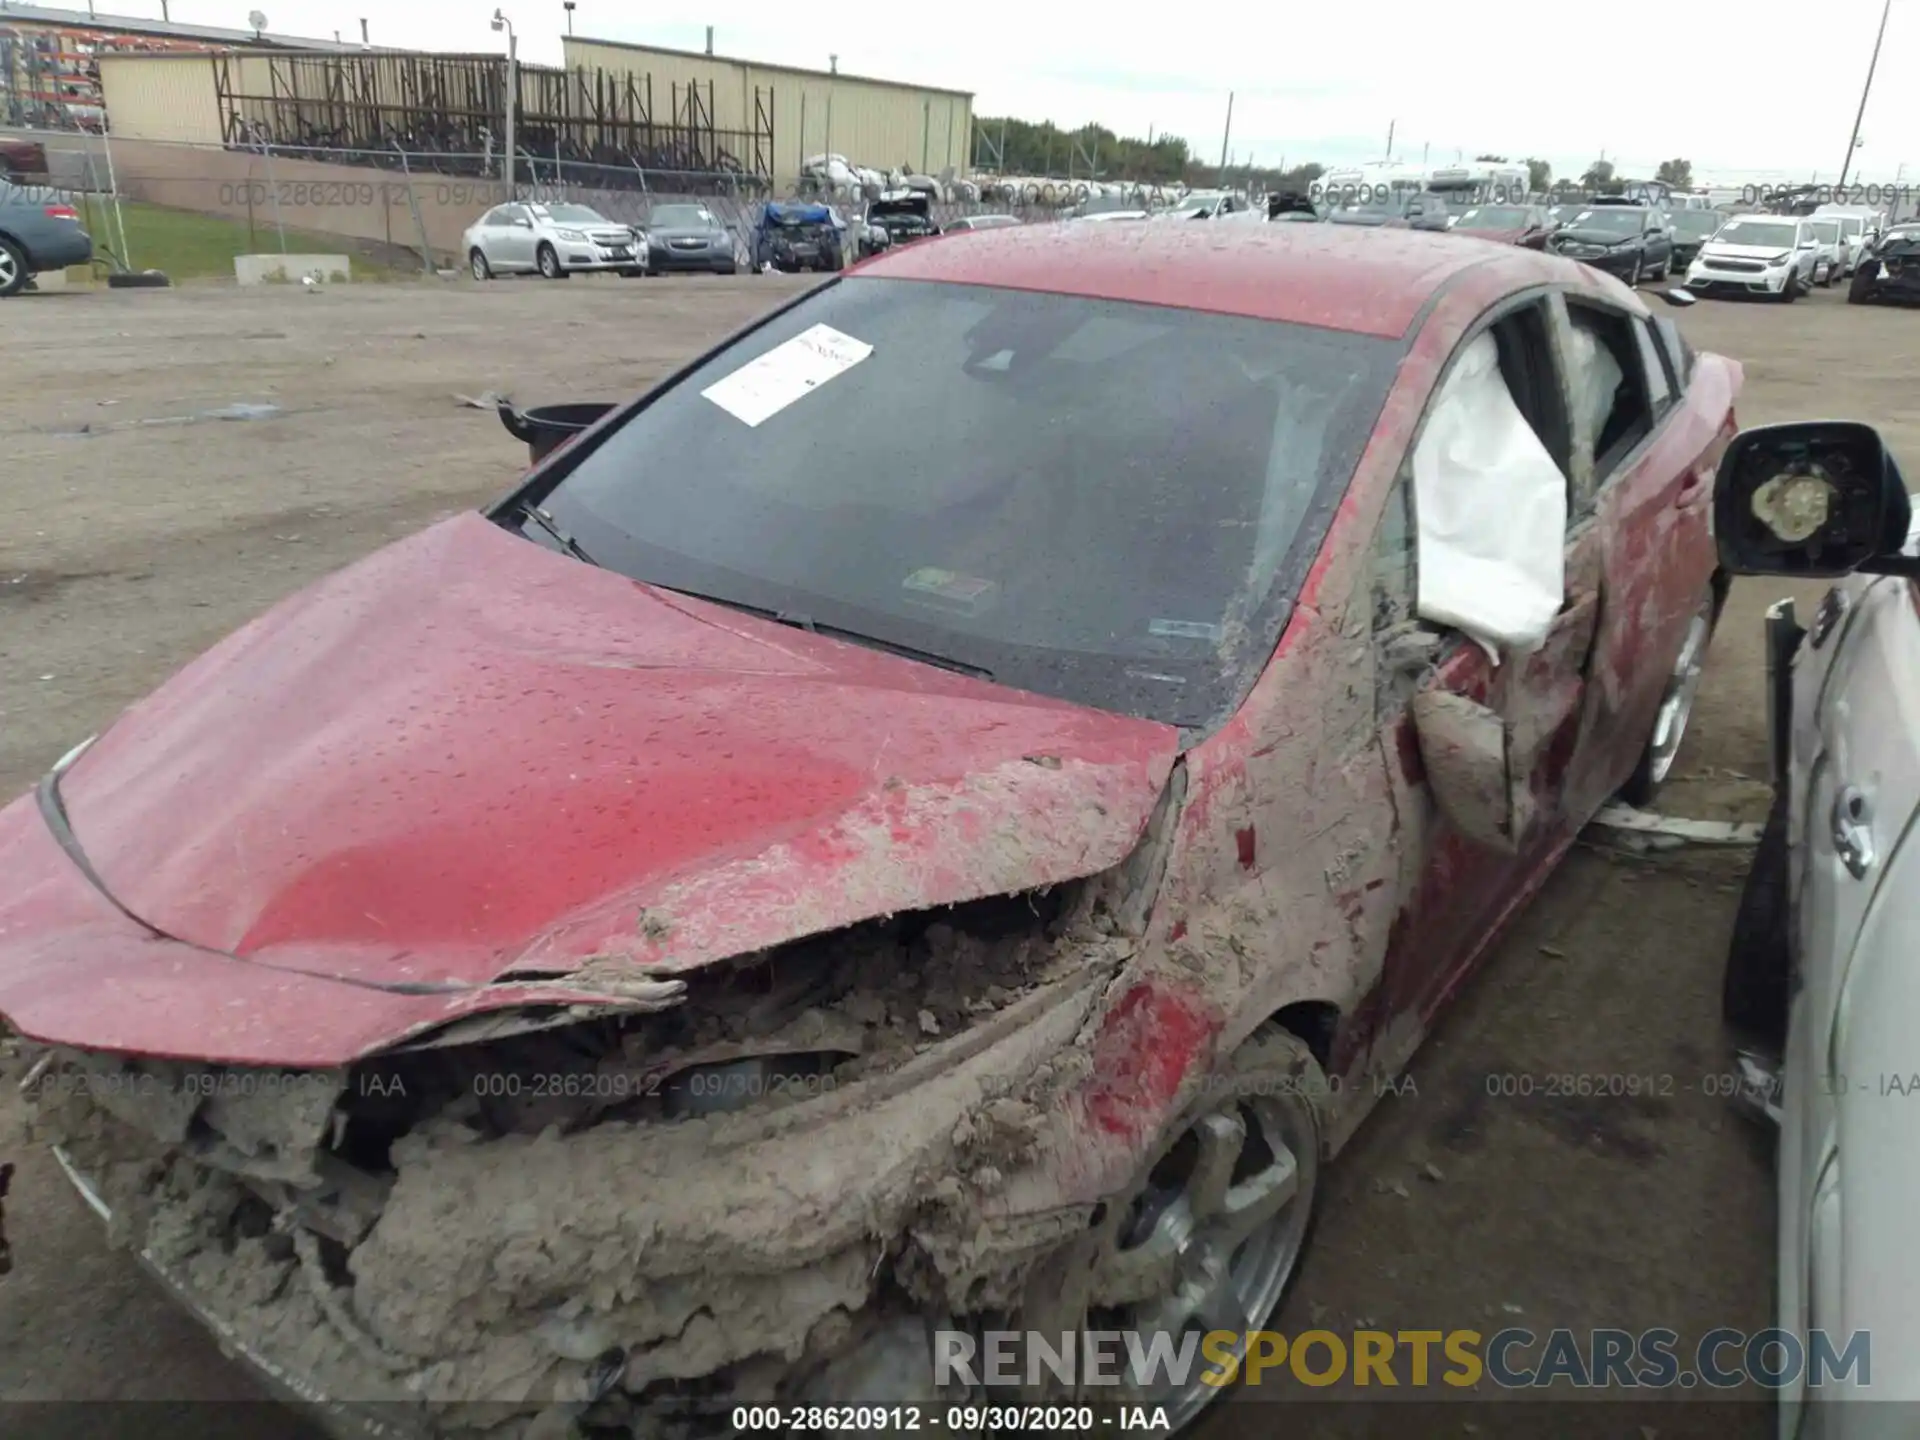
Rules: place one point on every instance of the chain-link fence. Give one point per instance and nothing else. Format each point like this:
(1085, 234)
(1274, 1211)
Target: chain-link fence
(421, 202)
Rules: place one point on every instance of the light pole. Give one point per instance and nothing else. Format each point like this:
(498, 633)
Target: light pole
(1854, 143)
(567, 5)
(500, 22)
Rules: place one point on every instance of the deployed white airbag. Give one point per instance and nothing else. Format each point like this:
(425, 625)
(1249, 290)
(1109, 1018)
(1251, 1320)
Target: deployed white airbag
(1491, 506)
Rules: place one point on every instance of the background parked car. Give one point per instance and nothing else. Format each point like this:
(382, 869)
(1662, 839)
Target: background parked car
(550, 240)
(38, 233)
(1627, 240)
(982, 222)
(1860, 226)
(1416, 210)
(1691, 229)
(22, 160)
(1820, 976)
(1889, 270)
(1770, 255)
(901, 216)
(1524, 225)
(792, 238)
(1830, 251)
(689, 237)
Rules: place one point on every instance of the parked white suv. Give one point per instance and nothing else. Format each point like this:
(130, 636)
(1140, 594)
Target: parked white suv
(551, 240)
(1821, 973)
(1775, 255)
(1859, 224)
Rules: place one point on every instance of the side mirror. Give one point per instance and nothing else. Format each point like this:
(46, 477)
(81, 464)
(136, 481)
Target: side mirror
(1677, 296)
(1464, 748)
(1811, 499)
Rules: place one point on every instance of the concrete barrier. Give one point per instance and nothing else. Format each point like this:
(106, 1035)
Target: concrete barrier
(289, 269)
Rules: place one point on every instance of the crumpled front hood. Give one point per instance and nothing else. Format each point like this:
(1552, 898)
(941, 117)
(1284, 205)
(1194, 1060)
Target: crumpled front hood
(467, 755)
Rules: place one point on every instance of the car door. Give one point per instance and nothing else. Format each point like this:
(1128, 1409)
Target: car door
(1658, 242)
(516, 237)
(1529, 704)
(1646, 442)
(1850, 1115)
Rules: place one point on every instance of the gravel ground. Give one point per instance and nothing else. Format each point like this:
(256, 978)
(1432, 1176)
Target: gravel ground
(141, 531)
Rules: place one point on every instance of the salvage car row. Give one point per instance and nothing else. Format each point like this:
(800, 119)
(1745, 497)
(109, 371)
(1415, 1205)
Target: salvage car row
(714, 1048)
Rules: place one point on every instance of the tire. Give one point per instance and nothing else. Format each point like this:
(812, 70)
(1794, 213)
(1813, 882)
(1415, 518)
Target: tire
(138, 280)
(1266, 1100)
(1676, 705)
(1633, 282)
(632, 274)
(731, 270)
(1860, 291)
(477, 263)
(548, 260)
(1790, 291)
(14, 273)
(1756, 985)
(1666, 268)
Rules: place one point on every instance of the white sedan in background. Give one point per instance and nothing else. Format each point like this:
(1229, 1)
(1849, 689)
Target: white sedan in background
(554, 241)
(1821, 975)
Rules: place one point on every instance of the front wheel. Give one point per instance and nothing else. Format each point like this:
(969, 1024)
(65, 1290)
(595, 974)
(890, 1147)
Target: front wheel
(1860, 292)
(1666, 268)
(1215, 1224)
(1633, 280)
(477, 262)
(1676, 706)
(549, 260)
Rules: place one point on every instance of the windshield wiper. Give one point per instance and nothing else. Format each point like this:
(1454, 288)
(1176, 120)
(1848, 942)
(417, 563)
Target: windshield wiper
(527, 510)
(800, 621)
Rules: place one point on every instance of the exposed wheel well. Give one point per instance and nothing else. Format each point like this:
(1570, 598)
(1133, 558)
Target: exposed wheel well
(1314, 1023)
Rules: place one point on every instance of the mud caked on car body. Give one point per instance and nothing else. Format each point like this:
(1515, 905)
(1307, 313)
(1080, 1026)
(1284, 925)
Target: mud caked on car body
(655, 943)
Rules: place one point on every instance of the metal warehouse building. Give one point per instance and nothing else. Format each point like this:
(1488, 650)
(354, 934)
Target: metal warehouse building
(880, 123)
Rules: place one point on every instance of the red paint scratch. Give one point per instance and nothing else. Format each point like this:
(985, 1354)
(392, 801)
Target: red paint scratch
(1146, 1045)
(1244, 839)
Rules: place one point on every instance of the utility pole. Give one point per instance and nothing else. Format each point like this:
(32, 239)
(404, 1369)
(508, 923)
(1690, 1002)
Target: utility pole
(1390, 125)
(1225, 136)
(567, 5)
(500, 22)
(1853, 141)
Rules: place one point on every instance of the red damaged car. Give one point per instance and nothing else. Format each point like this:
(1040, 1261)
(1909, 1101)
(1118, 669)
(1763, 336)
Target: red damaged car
(655, 945)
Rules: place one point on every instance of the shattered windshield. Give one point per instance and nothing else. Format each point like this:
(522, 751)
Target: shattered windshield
(1105, 502)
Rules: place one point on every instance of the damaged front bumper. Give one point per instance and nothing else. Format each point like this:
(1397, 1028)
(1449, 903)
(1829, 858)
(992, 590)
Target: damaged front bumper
(659, 1273)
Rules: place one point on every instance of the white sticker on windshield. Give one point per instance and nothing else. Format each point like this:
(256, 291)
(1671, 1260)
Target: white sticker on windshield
(766, 386)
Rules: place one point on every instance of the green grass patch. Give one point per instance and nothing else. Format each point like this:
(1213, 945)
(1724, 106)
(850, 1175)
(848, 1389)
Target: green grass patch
(191, 246)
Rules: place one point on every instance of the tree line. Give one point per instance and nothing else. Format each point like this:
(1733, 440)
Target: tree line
(1007, 146)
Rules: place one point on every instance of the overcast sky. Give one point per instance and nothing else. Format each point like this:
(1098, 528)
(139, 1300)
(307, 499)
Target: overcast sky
(1761, 96)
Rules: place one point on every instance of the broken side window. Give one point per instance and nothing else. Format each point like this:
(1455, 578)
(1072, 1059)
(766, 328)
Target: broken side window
(1654, 366)
(1607, 385)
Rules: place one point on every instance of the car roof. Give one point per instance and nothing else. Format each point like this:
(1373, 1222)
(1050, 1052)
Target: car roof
(1367, 282)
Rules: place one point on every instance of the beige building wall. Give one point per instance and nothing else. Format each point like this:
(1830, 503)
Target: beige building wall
(871, 122)
(161, 97)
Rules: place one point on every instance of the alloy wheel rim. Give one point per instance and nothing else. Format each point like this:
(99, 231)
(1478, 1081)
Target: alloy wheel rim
(9, 269)
(1676, 706)
(479, 267)
(1210, 1241)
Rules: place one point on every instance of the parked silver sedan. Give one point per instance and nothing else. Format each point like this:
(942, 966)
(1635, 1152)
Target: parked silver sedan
(551, 240)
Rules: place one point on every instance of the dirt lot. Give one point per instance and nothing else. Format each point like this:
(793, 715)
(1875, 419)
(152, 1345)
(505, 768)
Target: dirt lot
(141, 531)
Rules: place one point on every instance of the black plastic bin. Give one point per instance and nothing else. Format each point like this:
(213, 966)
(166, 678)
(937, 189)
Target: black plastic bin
(545, 428)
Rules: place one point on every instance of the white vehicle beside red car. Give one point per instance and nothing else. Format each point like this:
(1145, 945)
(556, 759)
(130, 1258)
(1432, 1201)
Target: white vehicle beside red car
(1820, 975)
